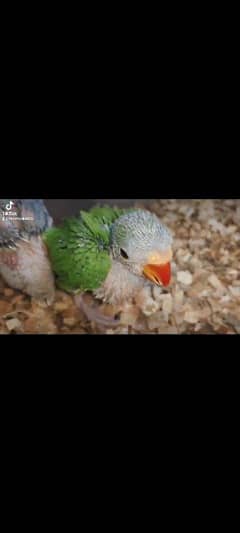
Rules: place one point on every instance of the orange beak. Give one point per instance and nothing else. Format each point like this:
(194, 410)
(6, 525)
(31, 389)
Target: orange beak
(159, 274)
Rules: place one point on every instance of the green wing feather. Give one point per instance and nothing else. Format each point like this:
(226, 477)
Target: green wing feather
(79, 250)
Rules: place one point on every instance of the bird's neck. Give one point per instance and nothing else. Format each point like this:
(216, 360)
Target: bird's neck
(120, 285)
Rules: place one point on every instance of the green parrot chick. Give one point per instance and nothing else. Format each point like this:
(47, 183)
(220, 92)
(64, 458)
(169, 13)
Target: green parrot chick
(111, 252)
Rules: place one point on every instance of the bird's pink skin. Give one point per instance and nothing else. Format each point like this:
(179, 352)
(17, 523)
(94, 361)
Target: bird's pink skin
(28, 269)
(9, 258)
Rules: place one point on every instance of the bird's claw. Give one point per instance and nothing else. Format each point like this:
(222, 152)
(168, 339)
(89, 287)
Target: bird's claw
(45, 300)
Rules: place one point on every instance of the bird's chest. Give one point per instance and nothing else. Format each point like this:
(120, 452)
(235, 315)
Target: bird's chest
(119, 286)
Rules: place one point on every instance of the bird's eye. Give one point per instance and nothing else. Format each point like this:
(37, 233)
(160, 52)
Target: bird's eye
(123, 253)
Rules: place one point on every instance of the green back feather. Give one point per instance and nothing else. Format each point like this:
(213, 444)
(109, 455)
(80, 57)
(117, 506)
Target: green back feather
(79, 250)
(107, 215)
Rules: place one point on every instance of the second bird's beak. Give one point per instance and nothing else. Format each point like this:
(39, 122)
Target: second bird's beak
(158, 268)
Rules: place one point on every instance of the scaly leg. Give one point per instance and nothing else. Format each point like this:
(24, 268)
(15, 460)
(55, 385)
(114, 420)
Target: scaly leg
(93, 315)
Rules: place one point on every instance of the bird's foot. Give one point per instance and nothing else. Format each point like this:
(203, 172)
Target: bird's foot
(93, 314)
(44, 299)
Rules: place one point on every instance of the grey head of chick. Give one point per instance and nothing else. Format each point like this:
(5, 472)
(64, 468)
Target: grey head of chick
(22, 219)
(143, 244)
